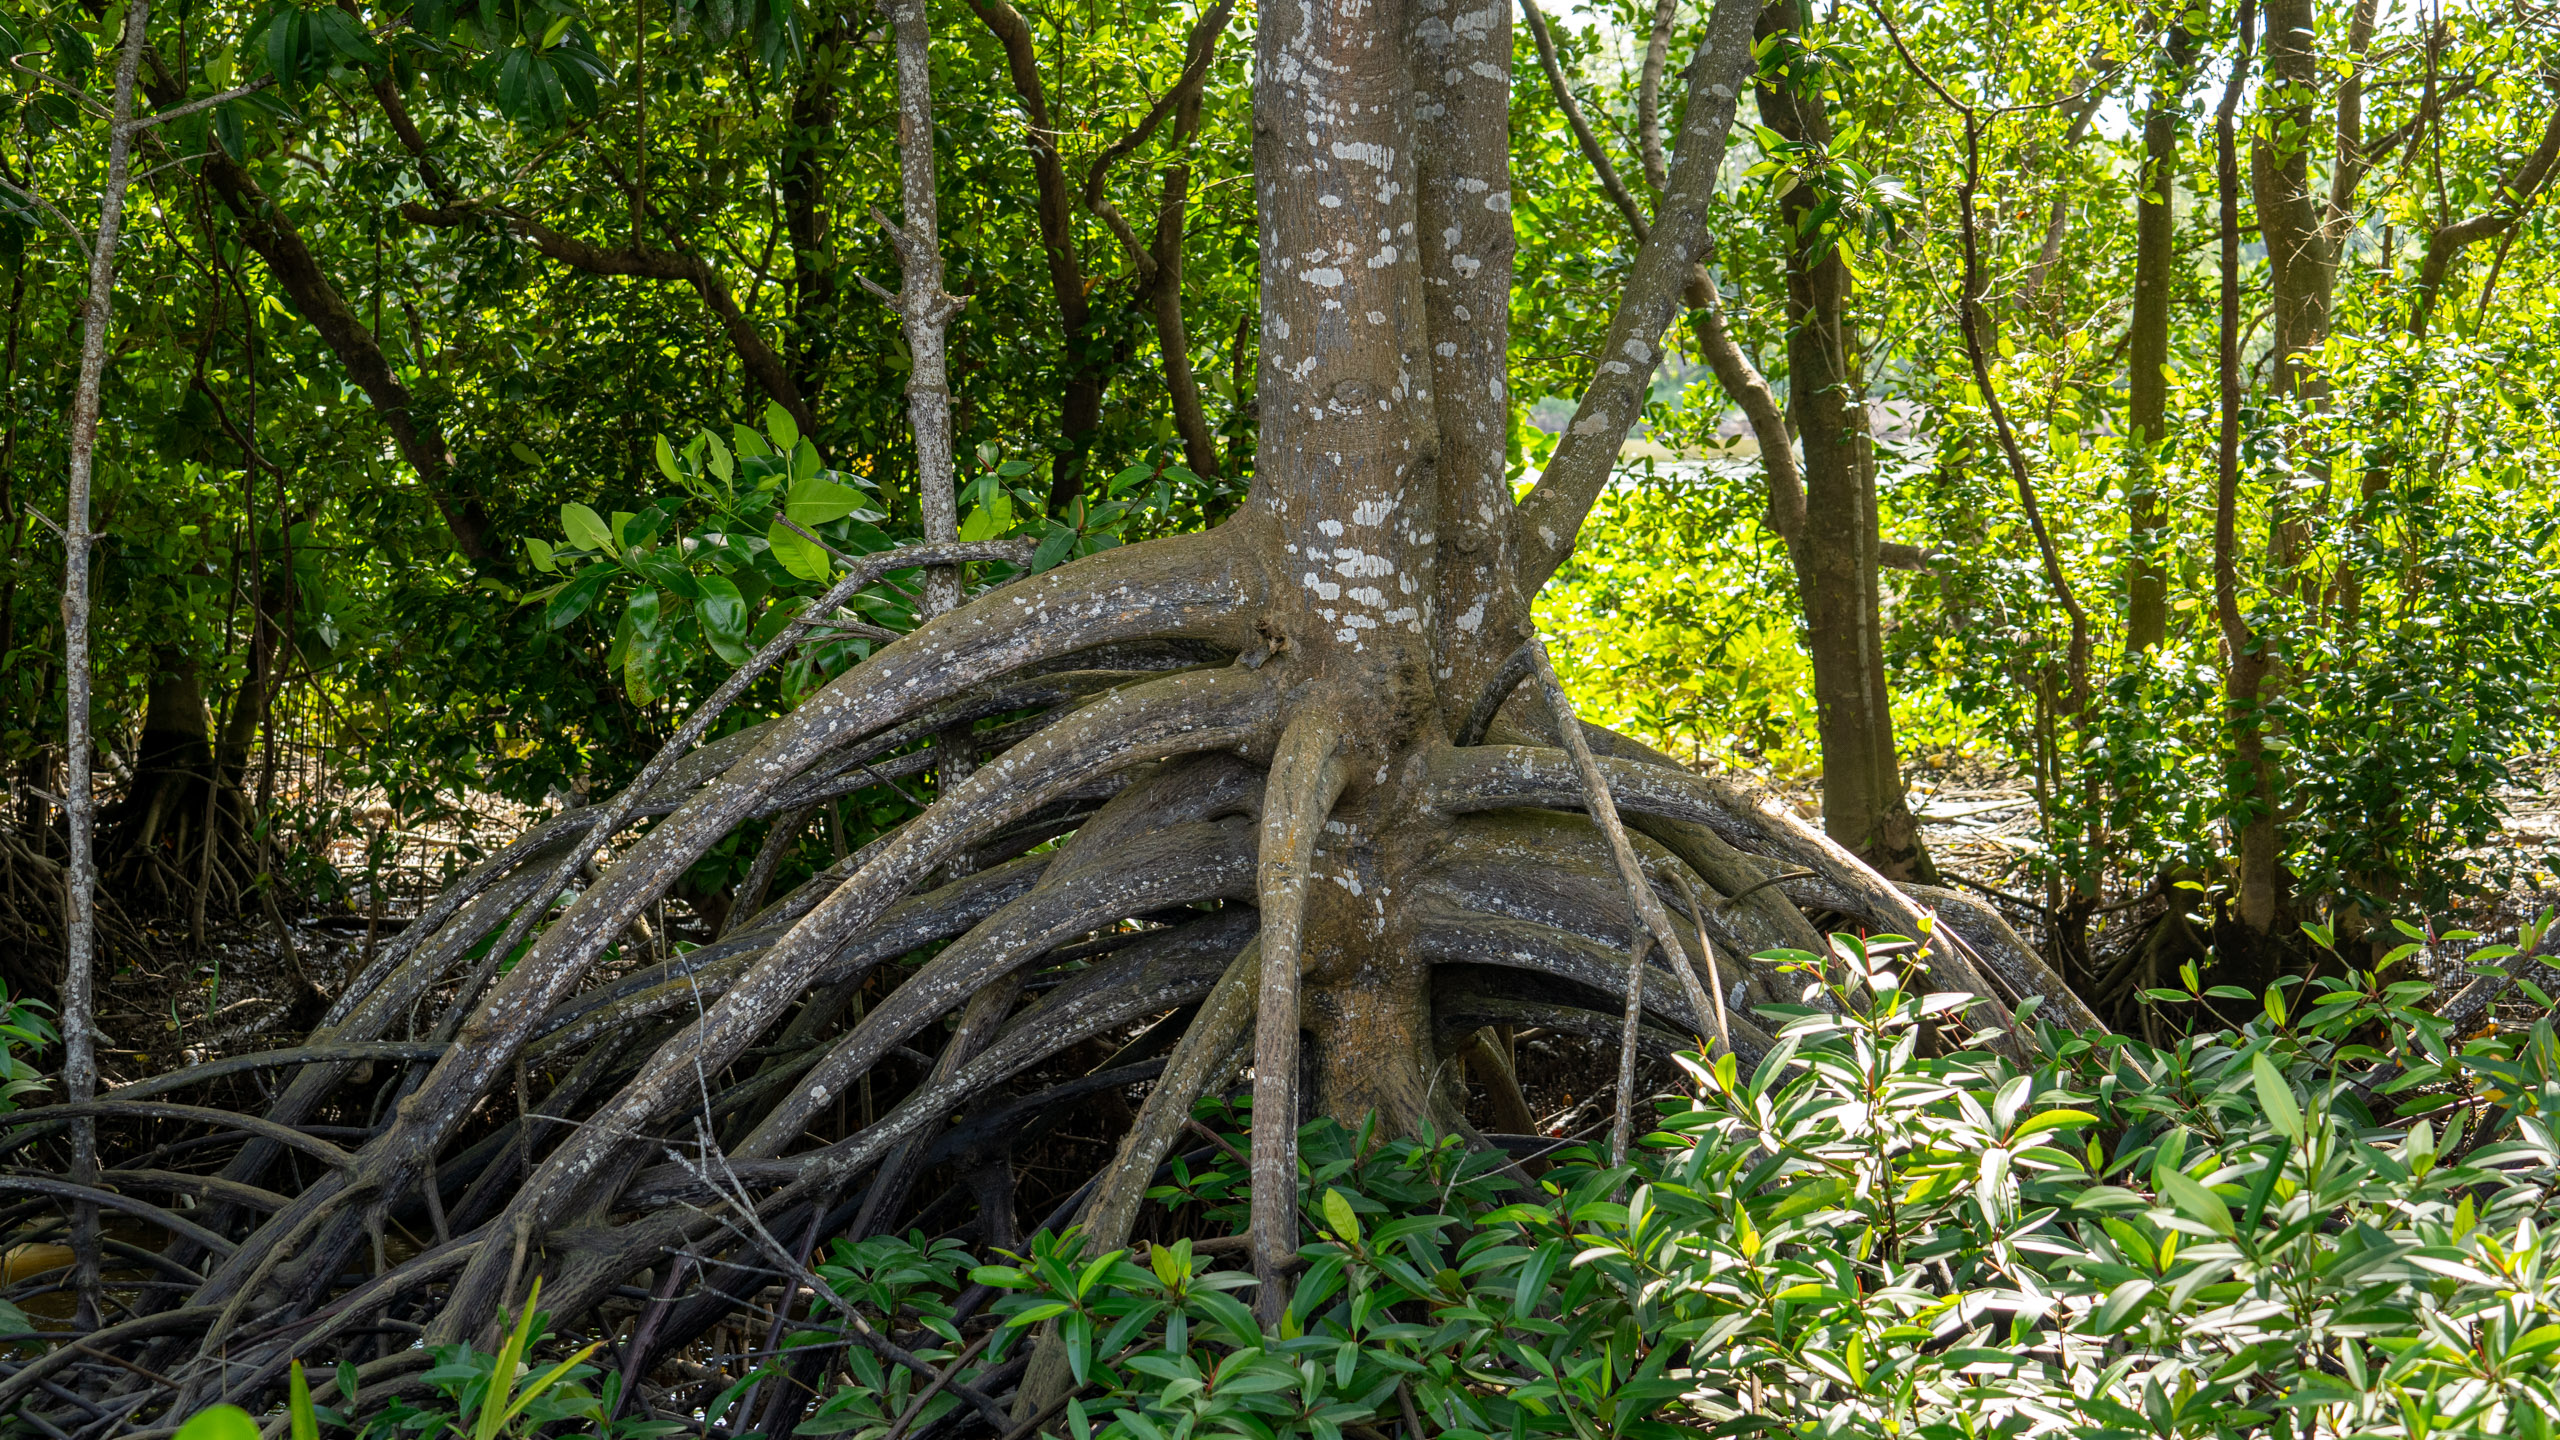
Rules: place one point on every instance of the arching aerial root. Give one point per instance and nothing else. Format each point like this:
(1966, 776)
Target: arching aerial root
(678, 1102)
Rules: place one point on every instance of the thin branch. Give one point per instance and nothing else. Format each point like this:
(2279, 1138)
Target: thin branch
(1970, 322)
(1583, 135)
(1653, 922)
(163, 117)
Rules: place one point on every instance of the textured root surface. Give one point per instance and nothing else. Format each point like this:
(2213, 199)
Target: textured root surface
(800, 1067)
(1166, 876)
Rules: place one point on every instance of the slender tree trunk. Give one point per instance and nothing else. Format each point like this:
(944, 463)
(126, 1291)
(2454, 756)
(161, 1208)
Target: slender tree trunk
(79, 1021)
(926, 311)
(2251, 797)
(2147, 379)
(1164, 294)
(1080, 399)
(1838, 562)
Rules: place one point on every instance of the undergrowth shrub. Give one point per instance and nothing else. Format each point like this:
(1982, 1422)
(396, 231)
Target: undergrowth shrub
(2326, 1220)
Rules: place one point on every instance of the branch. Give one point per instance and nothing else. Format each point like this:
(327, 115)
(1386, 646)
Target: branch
(297, 272)
(163, 117)
(1970, 323)
(78, 236)
(2516, 193)
(1553, 512)
(1657, 49)
(1652, 921)
(1200, 49)
(643, 262)
(1592, 149)
(1760, 405)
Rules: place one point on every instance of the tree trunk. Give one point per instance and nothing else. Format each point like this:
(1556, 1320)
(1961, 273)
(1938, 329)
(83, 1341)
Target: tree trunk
(2252, 798)
(1276, 757)
(79, 1022)
(154, 831)
(1864, 805)
(2147, 378)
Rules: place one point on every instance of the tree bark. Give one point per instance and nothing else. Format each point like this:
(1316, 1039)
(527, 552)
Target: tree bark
(2251, 800)
(2147, 377)
(1462, 103)
(1838, 570)
(79, 1018)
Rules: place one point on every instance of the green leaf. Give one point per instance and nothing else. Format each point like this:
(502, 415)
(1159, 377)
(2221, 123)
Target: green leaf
(1339, 1214)
(667, 461)
(1055, 546)
(221, 1422)
(2194, 1201)
(540, 550)
(572, 599)
(724, 618)
(814, 502)
(2044, 1120)
(2275, 1096)
(779, 424)
(2123, 1303)
(306, 1425)
(797, 553)
(585, 528)
(990, 519)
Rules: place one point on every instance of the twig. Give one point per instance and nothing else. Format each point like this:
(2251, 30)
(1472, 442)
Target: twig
(949, 1373)
(750, 1227)
(1214, 1138)
(1757, 886)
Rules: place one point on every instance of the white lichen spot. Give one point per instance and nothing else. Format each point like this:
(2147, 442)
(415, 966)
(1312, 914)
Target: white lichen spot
(1371, 512)
(1473, 620)
(1328, 277)
(1330, 527)
(1330, 202)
